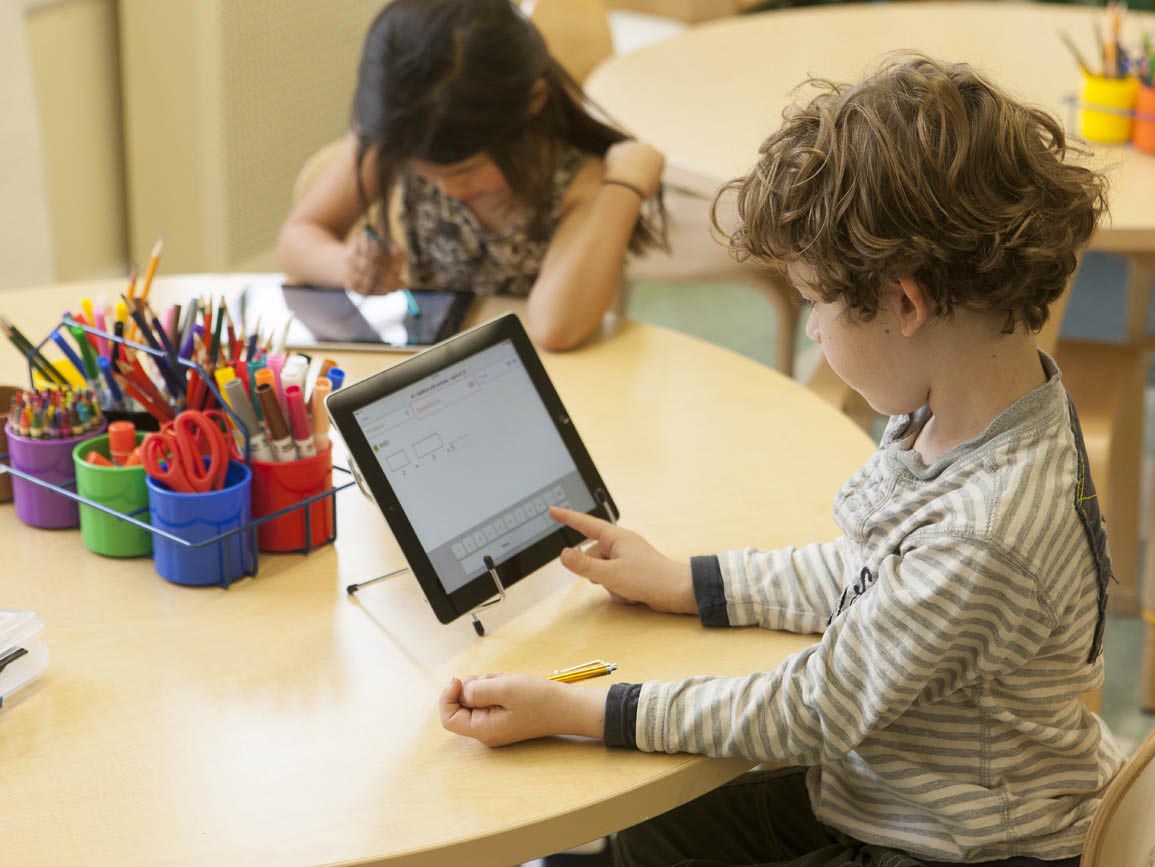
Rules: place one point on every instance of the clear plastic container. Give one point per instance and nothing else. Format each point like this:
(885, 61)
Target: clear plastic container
(23, 656)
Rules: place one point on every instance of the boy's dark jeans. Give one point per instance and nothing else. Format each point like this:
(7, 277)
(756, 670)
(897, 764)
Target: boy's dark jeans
(762, 819)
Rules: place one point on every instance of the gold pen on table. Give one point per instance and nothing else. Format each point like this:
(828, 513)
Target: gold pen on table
(593, 668)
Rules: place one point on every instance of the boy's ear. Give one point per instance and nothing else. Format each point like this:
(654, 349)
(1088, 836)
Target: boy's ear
(915, 307)
(537, 96)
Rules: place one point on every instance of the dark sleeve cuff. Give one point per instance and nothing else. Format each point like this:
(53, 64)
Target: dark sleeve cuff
(621, 725)
(709, 590)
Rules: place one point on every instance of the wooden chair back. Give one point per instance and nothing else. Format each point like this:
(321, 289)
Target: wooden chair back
(576, 31)
(1122, 833)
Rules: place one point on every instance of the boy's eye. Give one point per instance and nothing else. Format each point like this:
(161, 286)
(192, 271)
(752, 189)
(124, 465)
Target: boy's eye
(805, 303)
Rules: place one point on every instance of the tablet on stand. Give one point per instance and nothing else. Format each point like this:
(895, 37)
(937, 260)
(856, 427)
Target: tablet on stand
(464, 447)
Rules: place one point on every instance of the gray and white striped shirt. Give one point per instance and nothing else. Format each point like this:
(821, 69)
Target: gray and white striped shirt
(941, 710)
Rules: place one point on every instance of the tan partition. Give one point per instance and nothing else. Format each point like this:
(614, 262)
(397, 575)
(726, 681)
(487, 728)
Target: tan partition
(224, 101)
(25, 239)
(73, 55)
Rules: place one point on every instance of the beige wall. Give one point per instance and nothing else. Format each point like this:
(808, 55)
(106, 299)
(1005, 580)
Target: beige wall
(25, 238)
(73, 53)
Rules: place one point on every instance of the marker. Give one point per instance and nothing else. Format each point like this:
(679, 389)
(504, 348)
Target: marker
(253, 367)
(121, 441)
(282, 440)
(299, 422)
(97, 459)
(98, 319)
(258, 444)
(336, 377)
(114, 392)
(321, 390)
(276, 364)
(223, 376)
(295, 373)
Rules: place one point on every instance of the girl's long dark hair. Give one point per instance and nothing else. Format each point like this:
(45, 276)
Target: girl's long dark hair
(445, 80)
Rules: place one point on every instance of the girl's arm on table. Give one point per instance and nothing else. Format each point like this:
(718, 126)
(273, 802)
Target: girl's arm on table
(311, 247)
(583, 266)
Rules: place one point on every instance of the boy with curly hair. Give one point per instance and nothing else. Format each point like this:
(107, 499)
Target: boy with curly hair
(929, 220)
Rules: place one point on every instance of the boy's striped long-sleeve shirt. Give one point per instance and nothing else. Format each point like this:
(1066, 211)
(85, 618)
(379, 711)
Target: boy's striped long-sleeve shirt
(960, 614)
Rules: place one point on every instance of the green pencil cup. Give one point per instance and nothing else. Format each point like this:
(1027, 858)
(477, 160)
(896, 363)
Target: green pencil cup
(120, 488)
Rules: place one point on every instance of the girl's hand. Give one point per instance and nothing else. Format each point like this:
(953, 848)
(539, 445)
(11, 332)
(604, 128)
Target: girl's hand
(500, 709)
(627, 565)
(372, 270)
(636, 163)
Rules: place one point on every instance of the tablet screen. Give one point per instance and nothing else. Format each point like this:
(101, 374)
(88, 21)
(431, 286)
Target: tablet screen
(318, 316)
(477, 425)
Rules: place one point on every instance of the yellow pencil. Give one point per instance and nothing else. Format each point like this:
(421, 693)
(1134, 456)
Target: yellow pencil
(149, 274)
(150, 271)
(132, 276)
(594, 668)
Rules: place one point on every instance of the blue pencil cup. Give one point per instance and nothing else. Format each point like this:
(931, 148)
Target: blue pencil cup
(198, 517)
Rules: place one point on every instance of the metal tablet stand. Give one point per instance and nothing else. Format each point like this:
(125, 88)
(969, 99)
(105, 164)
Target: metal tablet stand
(478, 626)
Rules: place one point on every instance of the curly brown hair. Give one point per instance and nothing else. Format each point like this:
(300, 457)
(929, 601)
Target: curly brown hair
(924, 169)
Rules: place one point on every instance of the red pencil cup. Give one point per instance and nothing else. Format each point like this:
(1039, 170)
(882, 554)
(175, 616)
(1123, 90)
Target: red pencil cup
(278, 486)
(1143, 132)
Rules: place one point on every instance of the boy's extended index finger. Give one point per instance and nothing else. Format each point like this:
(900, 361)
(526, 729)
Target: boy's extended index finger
(587, 525)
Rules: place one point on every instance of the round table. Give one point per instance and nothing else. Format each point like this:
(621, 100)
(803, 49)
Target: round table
(282, 722)
(709, 97)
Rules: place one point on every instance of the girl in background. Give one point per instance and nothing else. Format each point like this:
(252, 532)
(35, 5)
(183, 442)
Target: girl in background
(478, 167)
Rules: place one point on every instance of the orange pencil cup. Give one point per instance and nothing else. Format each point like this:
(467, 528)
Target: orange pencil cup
(1107, 108)
(1144, 135)
(278, 486)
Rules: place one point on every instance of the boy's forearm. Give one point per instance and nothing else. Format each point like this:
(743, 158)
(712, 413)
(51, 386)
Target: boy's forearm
(580, 710)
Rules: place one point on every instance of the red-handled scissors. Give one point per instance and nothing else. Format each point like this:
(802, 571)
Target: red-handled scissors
(176, 455)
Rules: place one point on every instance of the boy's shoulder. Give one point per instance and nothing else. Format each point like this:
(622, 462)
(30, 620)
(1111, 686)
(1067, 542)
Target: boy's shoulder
(1019, 492)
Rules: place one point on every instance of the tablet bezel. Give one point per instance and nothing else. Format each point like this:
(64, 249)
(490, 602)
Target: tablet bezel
(342, 404)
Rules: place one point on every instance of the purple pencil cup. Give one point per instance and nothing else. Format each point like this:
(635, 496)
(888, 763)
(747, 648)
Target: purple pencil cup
(51, 461)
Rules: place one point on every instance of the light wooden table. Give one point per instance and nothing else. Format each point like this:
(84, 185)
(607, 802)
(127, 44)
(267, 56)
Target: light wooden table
(709, 97)
(282, 723)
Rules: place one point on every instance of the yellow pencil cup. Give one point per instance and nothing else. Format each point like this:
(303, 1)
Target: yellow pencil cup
(1107, 108)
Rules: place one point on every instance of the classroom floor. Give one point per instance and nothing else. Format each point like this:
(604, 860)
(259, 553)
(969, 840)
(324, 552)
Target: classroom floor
(739, 317)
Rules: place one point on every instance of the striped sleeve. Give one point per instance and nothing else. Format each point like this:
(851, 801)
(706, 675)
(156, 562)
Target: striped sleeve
(946, 613)
(791, 589)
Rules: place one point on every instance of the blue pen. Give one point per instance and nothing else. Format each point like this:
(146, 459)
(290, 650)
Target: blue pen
(336, 376)
(113, 389)
(410, 301)
(72, 357)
